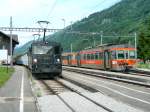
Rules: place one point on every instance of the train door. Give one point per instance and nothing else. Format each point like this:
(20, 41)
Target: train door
(107, 64)
(78, 59)
(69, 59)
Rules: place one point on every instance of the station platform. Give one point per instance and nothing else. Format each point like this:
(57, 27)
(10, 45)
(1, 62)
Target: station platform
(143, 69)
(16, 95)
(138, 79)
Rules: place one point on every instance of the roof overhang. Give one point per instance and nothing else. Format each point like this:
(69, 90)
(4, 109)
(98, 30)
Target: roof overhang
(14, 37)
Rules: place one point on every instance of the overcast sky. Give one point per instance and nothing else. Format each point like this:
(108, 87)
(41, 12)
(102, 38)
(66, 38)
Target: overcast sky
(26, 13)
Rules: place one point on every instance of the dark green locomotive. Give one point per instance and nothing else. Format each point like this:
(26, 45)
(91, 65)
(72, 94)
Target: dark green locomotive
(45, 57)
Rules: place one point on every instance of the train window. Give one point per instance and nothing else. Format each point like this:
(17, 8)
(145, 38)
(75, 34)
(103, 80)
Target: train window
(126, 54)
(73, 57)
(64, 57)
(96, 56)
(78, 57)
(84, 56)
(92, 56)
(69, 57)
(88, 56)
(113, 54)
(57, 49)
(101, 55)
(121, 54)
(132, 54)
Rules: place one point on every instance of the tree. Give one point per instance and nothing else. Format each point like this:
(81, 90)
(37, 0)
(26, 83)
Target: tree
(144, 42)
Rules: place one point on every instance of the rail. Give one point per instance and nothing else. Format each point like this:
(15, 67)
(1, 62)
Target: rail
(121, 78)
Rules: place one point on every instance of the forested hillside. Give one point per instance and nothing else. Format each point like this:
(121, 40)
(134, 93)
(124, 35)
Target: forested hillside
(23, 49)
(124, 18)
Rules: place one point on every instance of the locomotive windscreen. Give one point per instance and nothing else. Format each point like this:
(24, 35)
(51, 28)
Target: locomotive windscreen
(42, 49)
(57, 50)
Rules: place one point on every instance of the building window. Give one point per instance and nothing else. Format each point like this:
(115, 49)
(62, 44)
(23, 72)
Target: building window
(4, 47)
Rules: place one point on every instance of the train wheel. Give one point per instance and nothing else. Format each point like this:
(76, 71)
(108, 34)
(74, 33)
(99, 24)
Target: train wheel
(60, 75)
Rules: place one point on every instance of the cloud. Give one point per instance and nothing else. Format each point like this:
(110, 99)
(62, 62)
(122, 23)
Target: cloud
(23, 7)
(14, 7)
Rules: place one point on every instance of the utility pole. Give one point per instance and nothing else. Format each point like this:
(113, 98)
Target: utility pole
(72, 34)
(94, 43)
(71, 47)
(11, 59)
(44, 35)
(64, 22)
(101, 37)
(71, 25)
(135, 40)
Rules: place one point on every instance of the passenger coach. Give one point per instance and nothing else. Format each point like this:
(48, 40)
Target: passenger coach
(108, 57)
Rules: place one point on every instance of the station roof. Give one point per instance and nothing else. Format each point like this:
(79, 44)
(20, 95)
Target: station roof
(14, 37)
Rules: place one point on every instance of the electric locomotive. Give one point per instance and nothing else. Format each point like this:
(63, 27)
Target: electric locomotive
(45, 57)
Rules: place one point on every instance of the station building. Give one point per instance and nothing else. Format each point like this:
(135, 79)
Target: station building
(5, 44)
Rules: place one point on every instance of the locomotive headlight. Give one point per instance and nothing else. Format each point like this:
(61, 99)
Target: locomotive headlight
(58, 60)
(35, 60)
(114, 62)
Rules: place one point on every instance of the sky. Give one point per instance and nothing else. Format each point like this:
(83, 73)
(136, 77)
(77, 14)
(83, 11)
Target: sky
(26, 13)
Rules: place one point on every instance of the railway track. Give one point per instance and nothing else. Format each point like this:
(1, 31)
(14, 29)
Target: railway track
(56, 87)
(121, 91)
(56, 90)
(140, 73)
(121, 78)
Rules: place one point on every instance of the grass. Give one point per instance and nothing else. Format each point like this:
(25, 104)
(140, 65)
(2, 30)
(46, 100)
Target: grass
(142, 65)
(5, 74)
(38, 93)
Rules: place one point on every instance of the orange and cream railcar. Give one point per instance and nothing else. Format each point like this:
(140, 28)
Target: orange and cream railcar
(111, 57)
(71, 59)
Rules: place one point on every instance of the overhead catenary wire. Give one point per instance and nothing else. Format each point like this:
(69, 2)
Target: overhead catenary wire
(52, 8)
